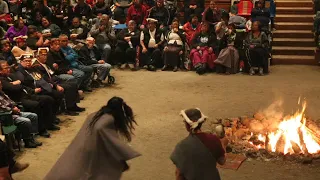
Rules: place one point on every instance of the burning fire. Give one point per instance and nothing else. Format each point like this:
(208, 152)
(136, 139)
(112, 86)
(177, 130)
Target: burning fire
(292, 136)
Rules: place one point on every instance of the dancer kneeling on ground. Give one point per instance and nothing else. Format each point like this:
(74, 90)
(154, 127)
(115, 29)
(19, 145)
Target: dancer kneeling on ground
(197, 155)
(257, 50)
(103, 154)
(228, 59)
(202, 53)
(174, 48)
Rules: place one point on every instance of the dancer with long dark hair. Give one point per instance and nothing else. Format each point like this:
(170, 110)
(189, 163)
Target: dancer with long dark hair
(97, 152)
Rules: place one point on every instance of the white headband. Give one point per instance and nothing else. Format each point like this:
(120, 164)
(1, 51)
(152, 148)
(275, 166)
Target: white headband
(193, 124)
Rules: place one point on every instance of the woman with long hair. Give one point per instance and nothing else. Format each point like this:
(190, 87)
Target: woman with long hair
(97, 152)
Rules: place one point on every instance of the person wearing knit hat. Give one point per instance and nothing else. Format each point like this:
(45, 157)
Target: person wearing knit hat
(196, 156)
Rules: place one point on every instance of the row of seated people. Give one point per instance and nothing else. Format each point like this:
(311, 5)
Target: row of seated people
(46, 84)
(149, 54)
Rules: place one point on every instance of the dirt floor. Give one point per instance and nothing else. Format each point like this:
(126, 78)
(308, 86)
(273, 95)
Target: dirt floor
(157, 99)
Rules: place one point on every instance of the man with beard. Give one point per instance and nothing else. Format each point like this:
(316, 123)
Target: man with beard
(30, 98)
(69, 88)
(162, 14)
(138, 13)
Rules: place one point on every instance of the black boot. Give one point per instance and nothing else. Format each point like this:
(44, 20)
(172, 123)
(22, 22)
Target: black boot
(36, 142)
(54, 128)
(28, 143)
(44, 134)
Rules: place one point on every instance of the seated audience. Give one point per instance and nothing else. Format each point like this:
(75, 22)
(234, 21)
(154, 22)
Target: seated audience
(160, 13)
(30, 98)
(20, 47)
(138, 13)
(35, 38)
(148, 4)
(261, 14)
(101, 7)
(212, 15)
(202, 52)
(192, 27)
(195, 7)
(31, 78)
(197, 155)
(39, 12)
(82, 10)
(174, 47)
(257, 50)
(104, 34)
(128, 40)
(120, 12)
(6, 53)
(8, 165)
(62, 68)
(4, 12)
(90, 56)
(239, 21)
(151, 41)
(171, 5)
(72, 57)
(26, 122)
(68, 88)
(48, 29)
(62, 14)
(228, 59)
(77, 33)
(220, 30)
(18, 29)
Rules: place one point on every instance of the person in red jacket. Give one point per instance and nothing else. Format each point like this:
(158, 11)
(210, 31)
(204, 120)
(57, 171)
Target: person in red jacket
(192, 27)
(138, 13)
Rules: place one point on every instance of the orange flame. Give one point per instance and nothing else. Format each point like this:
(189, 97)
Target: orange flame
(294, 132)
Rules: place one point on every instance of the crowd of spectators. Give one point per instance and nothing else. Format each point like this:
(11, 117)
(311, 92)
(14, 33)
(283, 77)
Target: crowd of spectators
(52, 51)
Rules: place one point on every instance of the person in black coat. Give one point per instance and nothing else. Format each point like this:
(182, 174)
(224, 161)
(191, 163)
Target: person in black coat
(162, 14)
(128, 40)
(32, 101)
(31, 78)
(151, 41)
(89, 55)
(195, 7)
(69, 88)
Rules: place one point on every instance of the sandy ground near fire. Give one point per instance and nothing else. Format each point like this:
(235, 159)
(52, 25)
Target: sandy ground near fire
(157, 99)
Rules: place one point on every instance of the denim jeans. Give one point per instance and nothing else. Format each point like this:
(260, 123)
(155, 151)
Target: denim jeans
(27, 124)
(66, 77)
(106, 50)
(102, 70)
(86, 72)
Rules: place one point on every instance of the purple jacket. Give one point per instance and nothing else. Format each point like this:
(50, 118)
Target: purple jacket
(11, 33)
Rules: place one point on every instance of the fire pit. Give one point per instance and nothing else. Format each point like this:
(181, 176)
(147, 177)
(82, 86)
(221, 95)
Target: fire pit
(268, 135)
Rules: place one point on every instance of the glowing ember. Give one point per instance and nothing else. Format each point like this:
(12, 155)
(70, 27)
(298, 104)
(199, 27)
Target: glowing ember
(292, 136)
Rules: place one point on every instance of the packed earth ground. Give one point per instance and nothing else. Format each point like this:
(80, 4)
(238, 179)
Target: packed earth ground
(158, 97)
